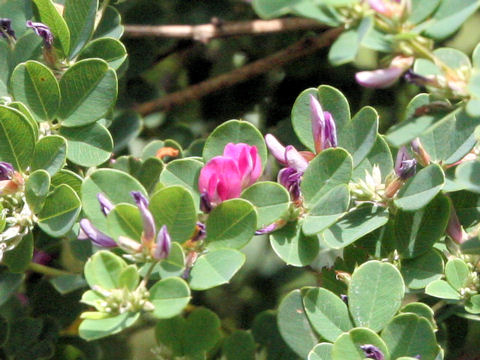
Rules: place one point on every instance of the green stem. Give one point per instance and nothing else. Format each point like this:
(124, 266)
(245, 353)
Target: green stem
(147, 275)
(46, 270)
(100, 14)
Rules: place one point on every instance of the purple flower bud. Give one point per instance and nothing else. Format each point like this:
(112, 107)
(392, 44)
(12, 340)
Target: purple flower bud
(405, 166)
(380, 78)
(163, 245)
(372, 352)
(295, 160)
(41, 257)
(6, 28)
(105, 205)
(290, 178)
(88, 230)
(454, 227)
(276, 148)
(6, 170)
(149, 229)
(323, 126)
(417, 79)
(43, 31)
(267, 229)
(344, 298)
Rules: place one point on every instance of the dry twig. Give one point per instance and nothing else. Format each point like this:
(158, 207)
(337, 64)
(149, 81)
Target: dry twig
(295, 51)
(219, 29)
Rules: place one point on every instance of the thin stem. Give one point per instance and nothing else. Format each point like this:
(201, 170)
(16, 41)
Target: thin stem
(100, 14)
(301, 48)
(46, 270)
(218, 29)
(147, 275)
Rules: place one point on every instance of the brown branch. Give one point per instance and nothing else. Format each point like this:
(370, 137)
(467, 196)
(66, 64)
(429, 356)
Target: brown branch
(295, 51)
(217, 29)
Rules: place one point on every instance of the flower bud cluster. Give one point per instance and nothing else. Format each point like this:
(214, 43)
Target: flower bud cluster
(118, 301)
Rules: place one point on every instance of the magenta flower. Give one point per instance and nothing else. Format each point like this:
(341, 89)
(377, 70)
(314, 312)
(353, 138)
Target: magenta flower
(383, 78)
(248, 161)
(323, 127)
(43, 31)
(224, 177)
(390, 8)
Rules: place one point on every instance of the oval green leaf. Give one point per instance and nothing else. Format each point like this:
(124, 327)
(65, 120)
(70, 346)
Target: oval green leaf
(50, 154)
(170, 296)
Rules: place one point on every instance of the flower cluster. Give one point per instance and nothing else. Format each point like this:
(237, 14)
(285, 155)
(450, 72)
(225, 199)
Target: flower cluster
(152, 245)
(324, 136)
(224, 177)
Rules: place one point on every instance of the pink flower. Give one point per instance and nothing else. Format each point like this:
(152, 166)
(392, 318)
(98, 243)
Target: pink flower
(224, 177)
(323, 126)
(383, 78)
(248, 161)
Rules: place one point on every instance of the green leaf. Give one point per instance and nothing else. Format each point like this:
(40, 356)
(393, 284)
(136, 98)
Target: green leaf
(17, 138)
(356, 224)
(125, 126)
(380, 156)
(50, 154)
(88, 145)
(457, 273)
(69, 178)
(27, 47)
(421, 10)
(183, 172)
(419, 190)
(418, 231)
(97, 329)
(36, 189)
(375, 294)
(449, 16)
(108, 49)
(346, 46)
(231, 224)
(60, 211)
(439, 143)
(215, 268)
(327, 313)
(473, 304)
(271, 200)
(19, 258)
(173, 206)
(68, 283)
(234, 131)
(34, 84)
(359, 135)
(89, 90)
(174, 264)
(294, 326)
(110, 25)
(421, 310)
(471, 246)
(129, 278)
(170, 296)
(322, 351)
(328, 209)
(80, 18)
(239, 346)
(292, 246)
(9, 284)
(149, 173)
(28, 115)
(192, 337)
(415, 124)
(125, 220)
(468, 174)
(330, 168)
(442, 289)
(422, 270)
(266, 334)
(104, 269)
(49, 16)
(347, 346)
(410, 335)
(100, 181)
